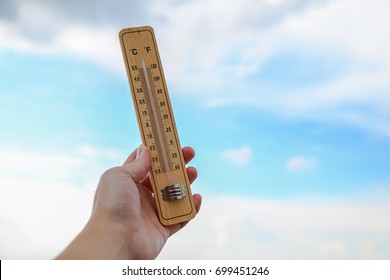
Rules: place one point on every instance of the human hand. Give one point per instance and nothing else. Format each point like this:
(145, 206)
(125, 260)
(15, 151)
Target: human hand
(124, 223)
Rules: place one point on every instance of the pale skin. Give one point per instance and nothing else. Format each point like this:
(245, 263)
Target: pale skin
(124, 223)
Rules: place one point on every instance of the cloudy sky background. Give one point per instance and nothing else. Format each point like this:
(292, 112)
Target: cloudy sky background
(287, 104)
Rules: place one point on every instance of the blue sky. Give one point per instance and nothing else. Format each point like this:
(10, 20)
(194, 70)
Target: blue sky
(286, 103)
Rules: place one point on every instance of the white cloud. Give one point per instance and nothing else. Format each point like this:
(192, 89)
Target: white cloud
(209, 39)
(300, 163)
(46, 198)
(196, 37)
(99, 46)
(348, 34)
(38, 219)
(296, 228)
(240, 156)
(93, 152)
(344, 31)
(223, 53)
(221, 44)
(39, 215)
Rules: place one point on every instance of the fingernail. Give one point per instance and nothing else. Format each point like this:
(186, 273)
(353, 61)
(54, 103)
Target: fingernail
(140, 150)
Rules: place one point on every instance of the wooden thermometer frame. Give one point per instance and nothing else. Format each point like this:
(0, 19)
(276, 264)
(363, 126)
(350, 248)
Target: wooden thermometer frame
(168, 174)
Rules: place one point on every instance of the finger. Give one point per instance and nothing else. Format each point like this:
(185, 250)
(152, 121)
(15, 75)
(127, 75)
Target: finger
(192, 174)
(175, 228)
(131, 157)
(197, 202)
(188, 154)
(139, 167)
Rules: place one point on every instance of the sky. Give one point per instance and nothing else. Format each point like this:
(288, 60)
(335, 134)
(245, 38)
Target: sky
(286, 103)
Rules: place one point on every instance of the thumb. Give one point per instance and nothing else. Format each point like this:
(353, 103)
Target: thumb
(139, 168)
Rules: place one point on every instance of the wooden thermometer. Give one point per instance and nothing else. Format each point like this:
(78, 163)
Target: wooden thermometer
(157, 126)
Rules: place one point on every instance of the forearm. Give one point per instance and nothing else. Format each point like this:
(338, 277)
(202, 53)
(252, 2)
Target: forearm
(96, 241)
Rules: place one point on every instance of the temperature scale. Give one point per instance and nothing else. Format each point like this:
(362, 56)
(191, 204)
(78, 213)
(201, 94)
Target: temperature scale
(168, 174)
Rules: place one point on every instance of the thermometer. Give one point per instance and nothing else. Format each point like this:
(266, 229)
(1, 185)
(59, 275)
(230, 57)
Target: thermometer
(168, 174)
